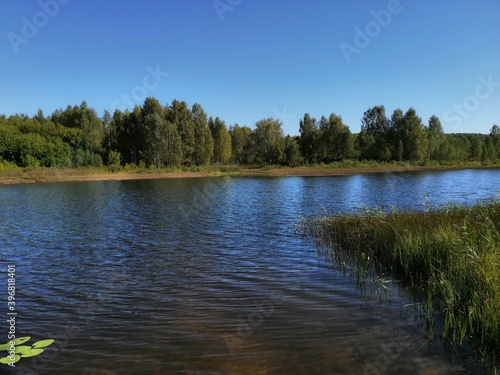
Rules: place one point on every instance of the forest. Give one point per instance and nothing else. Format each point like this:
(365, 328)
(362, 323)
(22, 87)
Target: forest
(157, 136)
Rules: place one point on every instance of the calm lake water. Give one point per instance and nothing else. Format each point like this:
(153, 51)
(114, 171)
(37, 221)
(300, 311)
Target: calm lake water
(206, 276)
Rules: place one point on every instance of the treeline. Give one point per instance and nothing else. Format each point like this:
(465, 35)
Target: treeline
(175, 135)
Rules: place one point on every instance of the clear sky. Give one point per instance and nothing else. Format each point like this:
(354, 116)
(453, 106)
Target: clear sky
(245, 60)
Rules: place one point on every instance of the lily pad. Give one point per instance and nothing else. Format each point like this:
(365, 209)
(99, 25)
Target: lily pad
(22, 349)
(42, 343)
(31, 353)
(7, 360)
(21, 340)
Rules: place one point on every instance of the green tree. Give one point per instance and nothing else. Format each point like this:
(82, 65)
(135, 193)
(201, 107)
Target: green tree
(489, 151)
(109, 130)
(291, 153)
(309, 138)
(415, 141)
(40, 117)
(435, 136)
(152, 132)
(408, 135)
(86, 119)
(476, 150)
(155, 148)
(121, 136)
(239, 139)
(374, 140)
(204, 143)
(136, 134)
(495, 141)
(92, 127)
(335, 139)
(222, 141)
(114, 161)
(268, 141)
(180, 115)
(495, 130)
(173, 145)
(397, 134)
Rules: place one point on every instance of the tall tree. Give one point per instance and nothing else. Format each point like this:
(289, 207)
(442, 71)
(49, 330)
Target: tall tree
(309, 138)
(495, 141)
(204, 143)
(109, 130)
(180, 115)
(291, 153)
(86, 119)
(435, 137)
(489, 151)
(122, 140)
(415, 137)
(136, 133)
(239, 139)
(152, 106)
(335, 139)
(40, 117)
(92, 127)
(222, 141)
(268, 141)
(397, 134)
(476, 150)
(154, 152)
(173, 145)
(374, 136)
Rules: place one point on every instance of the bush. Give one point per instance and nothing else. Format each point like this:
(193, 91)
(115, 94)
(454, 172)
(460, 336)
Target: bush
(114, 161)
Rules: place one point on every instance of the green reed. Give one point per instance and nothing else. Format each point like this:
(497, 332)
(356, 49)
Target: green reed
(452, 252)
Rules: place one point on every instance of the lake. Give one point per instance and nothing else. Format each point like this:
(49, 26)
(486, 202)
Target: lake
(206, 276)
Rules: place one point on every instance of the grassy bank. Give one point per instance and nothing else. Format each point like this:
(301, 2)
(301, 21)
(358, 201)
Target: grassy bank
(10, 174)
(453, 253)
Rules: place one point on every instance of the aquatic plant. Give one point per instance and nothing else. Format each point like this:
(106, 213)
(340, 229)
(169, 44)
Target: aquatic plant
(22, 351)
(451, 254)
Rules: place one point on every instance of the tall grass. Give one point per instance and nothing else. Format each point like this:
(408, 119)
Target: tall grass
(453, 253)
(354, 163)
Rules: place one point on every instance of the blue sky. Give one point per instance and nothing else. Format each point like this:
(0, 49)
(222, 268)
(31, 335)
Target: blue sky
(252, 59)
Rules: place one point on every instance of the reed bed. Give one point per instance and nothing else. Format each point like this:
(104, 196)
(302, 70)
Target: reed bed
(452, 253)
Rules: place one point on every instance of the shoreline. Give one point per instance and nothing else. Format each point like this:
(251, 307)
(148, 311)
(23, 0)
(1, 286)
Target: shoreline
(69, 175)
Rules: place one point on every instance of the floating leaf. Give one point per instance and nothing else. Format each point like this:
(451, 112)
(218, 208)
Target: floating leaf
(5, 346)
(21, 340)
(22, 349)
(7, 360)
(42, 343)
(31, 353)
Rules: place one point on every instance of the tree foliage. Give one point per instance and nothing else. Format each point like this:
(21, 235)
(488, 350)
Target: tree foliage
(268, 142)
(309, 138)
(174, 135)
(203, 140)
(335, 142)
(222, 141)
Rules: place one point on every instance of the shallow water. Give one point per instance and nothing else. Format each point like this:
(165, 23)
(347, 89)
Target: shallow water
(206, 276)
